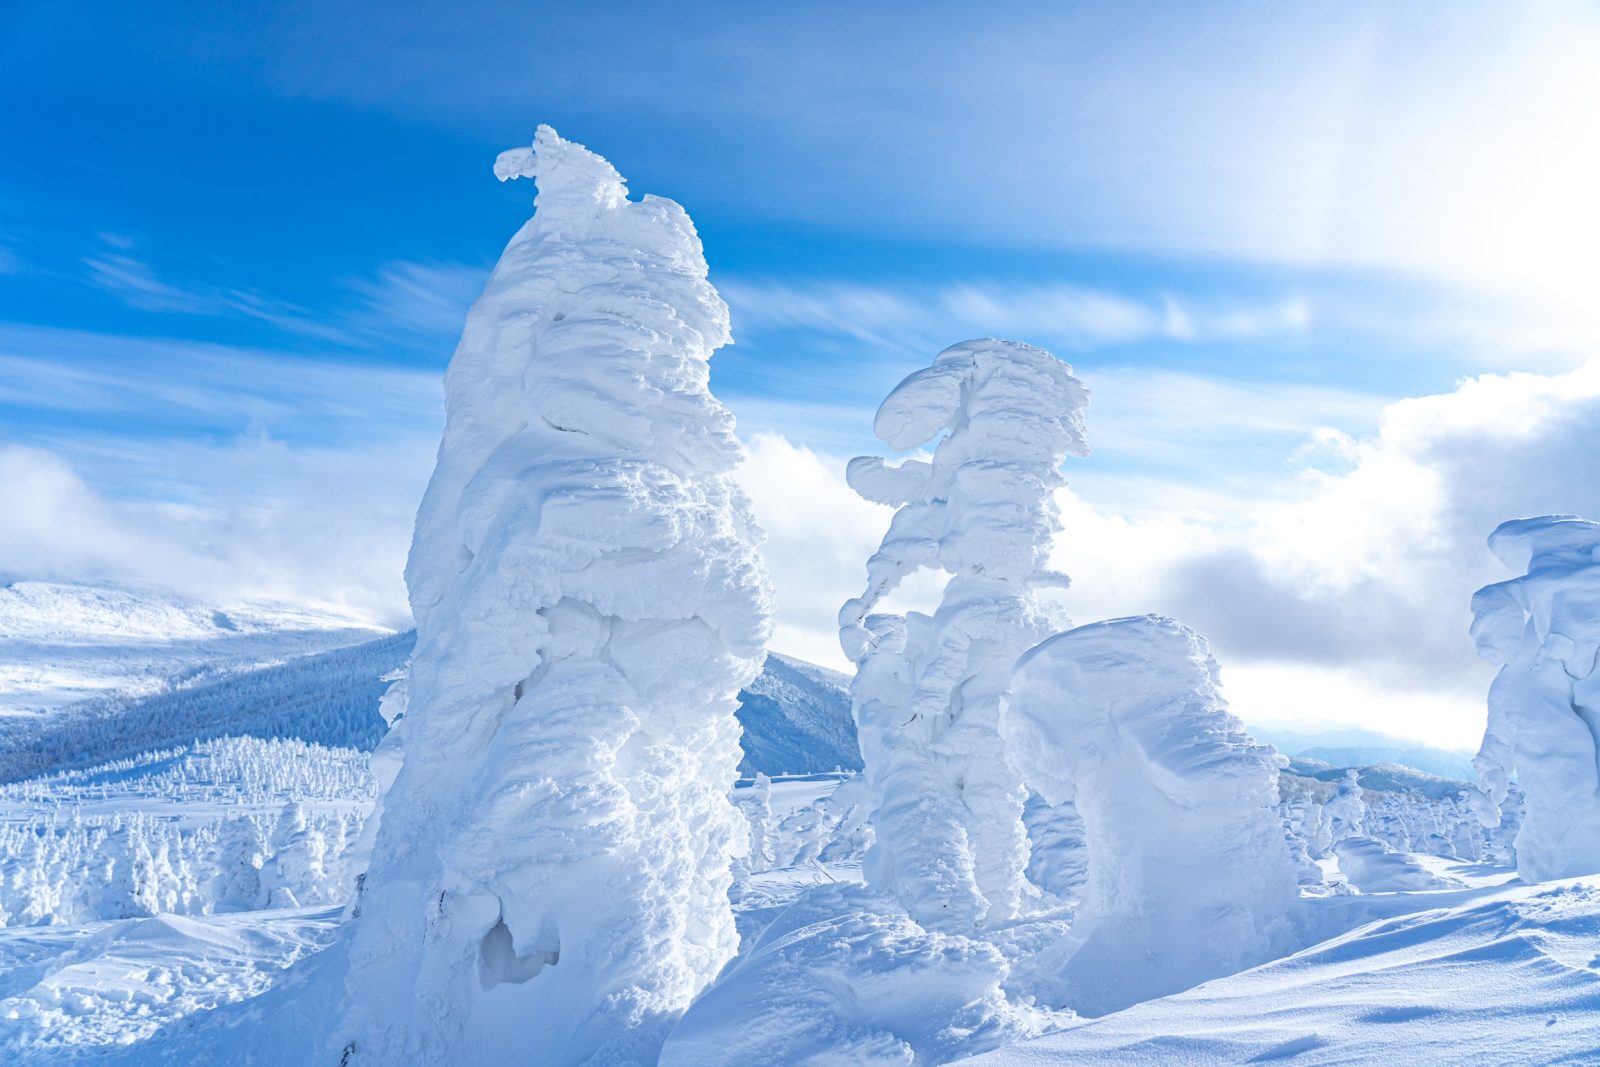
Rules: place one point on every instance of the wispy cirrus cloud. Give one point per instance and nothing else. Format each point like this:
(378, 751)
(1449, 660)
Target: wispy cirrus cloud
(1064, 314)
(426, 299)
(119, 272)
(177, 387)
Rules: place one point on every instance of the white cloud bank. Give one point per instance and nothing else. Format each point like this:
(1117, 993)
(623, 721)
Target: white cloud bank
(1341, 600)
(310, 526)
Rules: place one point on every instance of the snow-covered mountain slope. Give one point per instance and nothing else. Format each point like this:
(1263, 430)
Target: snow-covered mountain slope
(796, 719)
(1514, 978)
(1366, 748)
(64, 643)
(326, 697)
(1392, 777)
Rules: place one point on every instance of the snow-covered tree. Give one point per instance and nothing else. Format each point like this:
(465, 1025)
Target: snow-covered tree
(298, 871)
(756, 804)
(237, 884)
(1543, 628)
(1346, 811)
(1189, 876)
(550, 877)
(947, 807)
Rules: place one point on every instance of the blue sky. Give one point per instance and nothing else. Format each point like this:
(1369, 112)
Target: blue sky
(236, 240)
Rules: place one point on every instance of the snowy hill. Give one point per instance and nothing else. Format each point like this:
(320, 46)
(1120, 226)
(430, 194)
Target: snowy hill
(1367, 748)
(796, 719)
(94, 672)
(1390, 777)
(61, 643)
(1512, 977)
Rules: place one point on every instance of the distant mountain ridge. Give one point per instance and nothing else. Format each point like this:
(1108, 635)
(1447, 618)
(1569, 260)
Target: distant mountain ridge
(796, 719)
(1385, 777)
(1368, 748)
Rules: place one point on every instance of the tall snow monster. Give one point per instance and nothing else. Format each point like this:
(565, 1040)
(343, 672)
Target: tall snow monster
(550, 880)
(1543, 628)
(950, 839)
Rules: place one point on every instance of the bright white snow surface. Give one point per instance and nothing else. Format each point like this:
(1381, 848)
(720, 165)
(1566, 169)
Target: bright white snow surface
(1510, 978)
(553, 862)
(1470, 974)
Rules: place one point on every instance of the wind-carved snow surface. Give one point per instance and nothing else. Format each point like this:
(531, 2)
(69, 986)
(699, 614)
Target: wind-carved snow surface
(551, 874)
(1544, 705)
(951, 843)
(1189, 874)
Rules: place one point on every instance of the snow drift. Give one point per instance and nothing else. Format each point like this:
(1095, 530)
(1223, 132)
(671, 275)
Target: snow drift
(1189, 875)
(552, 868)
(1544, 705)
(947, 809)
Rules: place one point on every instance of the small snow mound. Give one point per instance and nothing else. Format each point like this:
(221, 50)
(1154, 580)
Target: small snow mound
(1374, 867)
(845, 976)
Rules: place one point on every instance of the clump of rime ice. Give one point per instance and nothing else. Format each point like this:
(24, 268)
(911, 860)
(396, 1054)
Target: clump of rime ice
(551, 874)
(1544, 706)
(947, 808)
(1189, 876)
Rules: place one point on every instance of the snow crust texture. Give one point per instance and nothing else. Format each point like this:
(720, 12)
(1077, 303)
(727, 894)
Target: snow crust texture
(947, 810)
(1512, 978)
(1189, 874)
(552, 867)
(1543, 628)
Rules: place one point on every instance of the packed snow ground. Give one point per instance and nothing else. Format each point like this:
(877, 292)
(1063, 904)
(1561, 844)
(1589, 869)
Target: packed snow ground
(1500, 977)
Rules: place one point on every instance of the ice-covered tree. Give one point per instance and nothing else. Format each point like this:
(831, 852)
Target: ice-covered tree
(1189, 876)
(550, 877)
(947, 807)
(1346, 811)
(237, 884)
(297, 872)
(1543, 628)
(756, 804)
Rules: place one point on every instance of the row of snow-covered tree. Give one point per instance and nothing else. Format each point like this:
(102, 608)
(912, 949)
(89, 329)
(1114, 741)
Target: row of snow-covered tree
(1319, 814)
(236, 824)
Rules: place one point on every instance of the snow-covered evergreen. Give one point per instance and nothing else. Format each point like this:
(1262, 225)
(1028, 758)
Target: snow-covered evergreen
(219, 826)
(553, 864)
